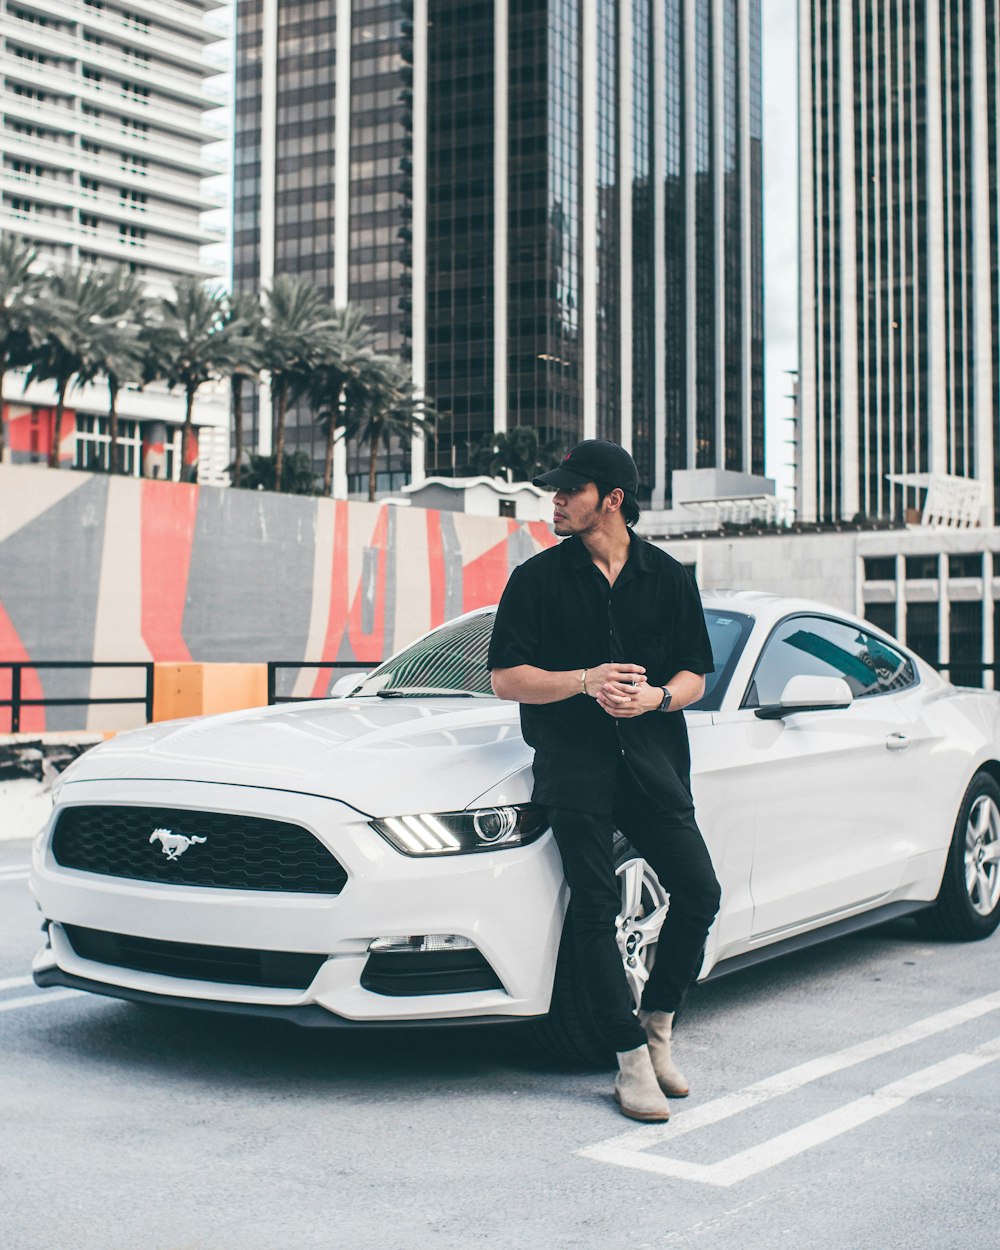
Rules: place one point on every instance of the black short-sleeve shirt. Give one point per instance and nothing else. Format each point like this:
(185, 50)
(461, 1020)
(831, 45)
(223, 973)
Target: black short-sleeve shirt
(558, 612)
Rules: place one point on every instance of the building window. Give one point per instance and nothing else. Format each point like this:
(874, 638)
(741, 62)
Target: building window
(920, 568)
(969, 564)
(93, 445)
(966, 642)
(882, 616)
(881, 569)
(922, 632)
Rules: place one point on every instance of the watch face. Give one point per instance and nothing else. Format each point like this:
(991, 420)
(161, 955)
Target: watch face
(665, 702)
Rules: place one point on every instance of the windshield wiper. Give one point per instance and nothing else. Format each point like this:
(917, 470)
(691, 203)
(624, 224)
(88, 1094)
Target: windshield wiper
(424, 692)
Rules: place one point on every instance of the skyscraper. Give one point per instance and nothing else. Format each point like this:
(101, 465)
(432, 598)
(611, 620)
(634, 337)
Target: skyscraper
(552, 207)
(899, 233)
(103, 130)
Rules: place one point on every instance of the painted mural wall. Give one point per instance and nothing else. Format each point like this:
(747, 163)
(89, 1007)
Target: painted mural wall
(100, 568)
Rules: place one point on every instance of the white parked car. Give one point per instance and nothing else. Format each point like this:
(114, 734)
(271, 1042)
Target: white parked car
(376, 859)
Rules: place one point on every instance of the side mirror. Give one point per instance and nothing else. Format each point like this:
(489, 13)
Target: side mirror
(343, 686)
(808, 694)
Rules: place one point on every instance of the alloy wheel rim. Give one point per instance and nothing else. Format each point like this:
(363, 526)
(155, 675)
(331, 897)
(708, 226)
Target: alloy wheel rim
(644, 907)
(982, 856)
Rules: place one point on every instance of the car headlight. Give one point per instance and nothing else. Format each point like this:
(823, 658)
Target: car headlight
(455, 833)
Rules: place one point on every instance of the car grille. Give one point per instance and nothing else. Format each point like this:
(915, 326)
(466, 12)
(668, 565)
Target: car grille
(229, 964)
(238, 853)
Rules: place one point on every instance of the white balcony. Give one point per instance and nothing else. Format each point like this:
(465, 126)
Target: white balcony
(156, 218)
(150, 253)
(154, 147)
(182, 190)
(187, 87)
(147, 29)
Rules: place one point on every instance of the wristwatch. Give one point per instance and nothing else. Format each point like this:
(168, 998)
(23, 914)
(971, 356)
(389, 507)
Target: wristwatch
(665, 701)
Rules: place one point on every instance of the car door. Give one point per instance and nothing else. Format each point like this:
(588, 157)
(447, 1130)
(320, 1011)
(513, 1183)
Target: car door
(833, 789)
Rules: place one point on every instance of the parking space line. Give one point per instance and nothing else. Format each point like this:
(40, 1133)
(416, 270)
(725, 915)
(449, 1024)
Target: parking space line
(13, 876)
(41, 999)
(747, 1163)
(625, 1149)
(15, 983)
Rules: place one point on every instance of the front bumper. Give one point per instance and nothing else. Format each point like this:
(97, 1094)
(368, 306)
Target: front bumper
(509, 903)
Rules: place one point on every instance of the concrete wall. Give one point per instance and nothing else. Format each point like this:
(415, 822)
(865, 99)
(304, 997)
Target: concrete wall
(101, 568)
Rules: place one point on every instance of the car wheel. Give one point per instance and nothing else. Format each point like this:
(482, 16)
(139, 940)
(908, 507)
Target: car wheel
(569, 1031)
(967, 907)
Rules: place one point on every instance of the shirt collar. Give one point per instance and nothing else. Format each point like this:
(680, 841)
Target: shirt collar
(638, 554)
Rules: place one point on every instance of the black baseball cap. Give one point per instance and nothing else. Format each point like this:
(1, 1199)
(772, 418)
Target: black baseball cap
(593, 460)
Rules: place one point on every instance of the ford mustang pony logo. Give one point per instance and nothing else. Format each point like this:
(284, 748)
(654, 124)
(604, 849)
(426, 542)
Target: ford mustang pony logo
(173, 844)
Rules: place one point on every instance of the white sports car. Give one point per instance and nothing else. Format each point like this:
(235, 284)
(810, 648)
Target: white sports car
(376, 859)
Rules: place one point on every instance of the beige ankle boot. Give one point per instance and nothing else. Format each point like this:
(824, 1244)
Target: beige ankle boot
(658, 1026)
(636, 1088)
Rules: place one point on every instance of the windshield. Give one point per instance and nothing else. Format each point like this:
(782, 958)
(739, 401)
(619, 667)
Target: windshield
(452, 659)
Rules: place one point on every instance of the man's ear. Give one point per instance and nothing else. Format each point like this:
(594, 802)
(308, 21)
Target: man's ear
(614, 499)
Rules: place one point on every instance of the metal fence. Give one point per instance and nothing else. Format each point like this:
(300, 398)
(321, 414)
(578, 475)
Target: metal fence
(356, 666)
(17, 701)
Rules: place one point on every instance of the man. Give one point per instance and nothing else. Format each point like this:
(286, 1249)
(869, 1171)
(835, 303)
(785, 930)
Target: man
(602, 640)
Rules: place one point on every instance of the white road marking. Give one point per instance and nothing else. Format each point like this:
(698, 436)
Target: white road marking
(824, 1128)
(15, 983)
(14, 876)
(625, 1149)
(41, 999)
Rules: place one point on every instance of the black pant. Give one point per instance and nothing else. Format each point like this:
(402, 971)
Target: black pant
(672, 845)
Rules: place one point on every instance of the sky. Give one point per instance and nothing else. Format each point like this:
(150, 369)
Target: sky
(781, 233)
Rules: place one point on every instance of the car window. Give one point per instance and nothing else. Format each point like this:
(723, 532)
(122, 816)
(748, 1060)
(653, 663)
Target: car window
(821, 647)
(453, 657)
(728, 633)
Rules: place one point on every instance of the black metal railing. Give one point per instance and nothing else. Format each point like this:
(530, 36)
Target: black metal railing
(17, 701)
(357, 666)
(967, 666)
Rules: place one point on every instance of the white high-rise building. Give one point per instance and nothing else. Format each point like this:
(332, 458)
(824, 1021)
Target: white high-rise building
(103, 130)
(105, 117)
(900, 268)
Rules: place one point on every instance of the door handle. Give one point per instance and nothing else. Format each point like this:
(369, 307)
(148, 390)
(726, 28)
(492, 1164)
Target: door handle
(897, 741)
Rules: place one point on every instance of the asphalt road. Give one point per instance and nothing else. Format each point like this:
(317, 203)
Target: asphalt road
(845, 1098)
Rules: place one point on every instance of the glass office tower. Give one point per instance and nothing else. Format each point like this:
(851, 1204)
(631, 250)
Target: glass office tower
(551, 207)
(899, 230)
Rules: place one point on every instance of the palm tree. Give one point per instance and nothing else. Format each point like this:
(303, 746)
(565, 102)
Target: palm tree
(71, 309)
(187, 345)
(19, 288)
(117, 347)
(297, 475)
(385, 408)
(298, 330)
(350, 359)
(516, 454)
(244, 326)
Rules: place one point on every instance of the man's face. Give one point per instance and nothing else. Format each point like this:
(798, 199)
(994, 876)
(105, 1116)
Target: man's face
(576, 510)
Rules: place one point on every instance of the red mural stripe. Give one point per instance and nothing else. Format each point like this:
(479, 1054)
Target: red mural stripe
(541, 532)
(337, 616)
(368, 646)
(12, 648)
(435, 566)
(168, 517)
(484, 578)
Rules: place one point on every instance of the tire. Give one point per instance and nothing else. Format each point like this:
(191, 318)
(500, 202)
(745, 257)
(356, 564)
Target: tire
(569, 1032)
(967, 908)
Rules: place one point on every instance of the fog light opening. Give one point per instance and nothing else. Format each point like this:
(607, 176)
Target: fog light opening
(423, 943)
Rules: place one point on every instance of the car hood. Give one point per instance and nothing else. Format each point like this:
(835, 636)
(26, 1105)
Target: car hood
(383, 757)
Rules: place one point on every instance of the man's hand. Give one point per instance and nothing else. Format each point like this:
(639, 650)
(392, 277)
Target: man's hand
(627, 693)
(615, 683)
(685, 688)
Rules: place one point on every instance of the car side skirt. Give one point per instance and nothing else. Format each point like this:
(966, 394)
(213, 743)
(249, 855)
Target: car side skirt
(825, 933)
